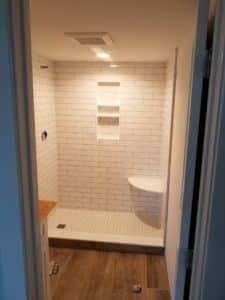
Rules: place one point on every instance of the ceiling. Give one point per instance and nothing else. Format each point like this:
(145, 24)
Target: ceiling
(142, 30)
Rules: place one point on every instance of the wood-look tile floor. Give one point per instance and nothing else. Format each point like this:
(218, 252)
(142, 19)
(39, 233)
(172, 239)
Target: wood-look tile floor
(98, 275)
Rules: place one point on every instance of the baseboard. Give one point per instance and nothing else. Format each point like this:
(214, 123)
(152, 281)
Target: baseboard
(105, 246)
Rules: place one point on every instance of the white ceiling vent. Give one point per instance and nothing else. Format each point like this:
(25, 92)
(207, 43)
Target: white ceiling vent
(90, 38)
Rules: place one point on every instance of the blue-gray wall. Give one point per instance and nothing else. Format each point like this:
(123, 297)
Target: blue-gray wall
(12, 270)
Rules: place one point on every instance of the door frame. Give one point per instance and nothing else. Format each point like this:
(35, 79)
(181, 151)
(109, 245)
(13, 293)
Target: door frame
(191, 147)
(20, 79)
(208, 270)
(20, 259)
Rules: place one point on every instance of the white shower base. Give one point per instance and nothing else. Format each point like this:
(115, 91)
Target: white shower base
(103, 226)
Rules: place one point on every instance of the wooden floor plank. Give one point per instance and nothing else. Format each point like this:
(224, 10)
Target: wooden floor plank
(63, 258)
(99, 275)
(156, 272)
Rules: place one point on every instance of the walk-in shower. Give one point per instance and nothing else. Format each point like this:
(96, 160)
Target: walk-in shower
(106, 153)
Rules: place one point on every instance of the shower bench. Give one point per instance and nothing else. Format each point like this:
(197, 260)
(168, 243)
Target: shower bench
(147, 184)
(147, 194)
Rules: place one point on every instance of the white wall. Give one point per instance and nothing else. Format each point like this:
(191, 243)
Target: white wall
(167, 130)
(177, 160)
(45, 119)
(93, 173)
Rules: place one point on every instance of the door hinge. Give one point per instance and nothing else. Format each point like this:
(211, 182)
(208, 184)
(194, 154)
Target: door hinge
(208, 63)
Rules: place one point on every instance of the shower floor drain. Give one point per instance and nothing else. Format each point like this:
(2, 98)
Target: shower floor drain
(61, 226)
(137, 288)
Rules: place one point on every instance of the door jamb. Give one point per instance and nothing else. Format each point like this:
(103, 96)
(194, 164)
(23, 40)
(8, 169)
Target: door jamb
(18, 26)
(212, 189)
(191, 144)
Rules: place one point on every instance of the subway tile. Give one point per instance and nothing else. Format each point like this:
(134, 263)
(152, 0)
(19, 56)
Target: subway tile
(91, 173)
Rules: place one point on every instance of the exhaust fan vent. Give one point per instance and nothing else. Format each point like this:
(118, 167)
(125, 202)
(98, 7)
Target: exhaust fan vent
(90, 38)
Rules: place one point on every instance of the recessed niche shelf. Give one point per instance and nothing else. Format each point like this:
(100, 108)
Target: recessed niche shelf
(106, 137)
(108, 115)
(108, 111)
(107, 105)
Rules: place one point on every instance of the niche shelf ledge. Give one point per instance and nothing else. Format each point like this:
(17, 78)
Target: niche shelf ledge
(108, 115)
(102, 137)
(108, 105)
(147, 184)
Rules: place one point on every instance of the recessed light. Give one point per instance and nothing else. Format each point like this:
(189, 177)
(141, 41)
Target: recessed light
(103, 55)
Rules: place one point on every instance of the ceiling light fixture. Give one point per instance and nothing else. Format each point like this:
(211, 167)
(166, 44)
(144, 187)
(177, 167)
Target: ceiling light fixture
(103, 55)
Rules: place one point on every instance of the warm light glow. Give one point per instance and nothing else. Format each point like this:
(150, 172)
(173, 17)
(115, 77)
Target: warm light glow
(103, 55)
(114, 66)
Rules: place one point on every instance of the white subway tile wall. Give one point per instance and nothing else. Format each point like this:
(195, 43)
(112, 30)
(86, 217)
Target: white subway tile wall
(45, 120)
(93, 172)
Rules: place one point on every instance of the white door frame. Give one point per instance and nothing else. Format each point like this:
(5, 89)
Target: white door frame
(208, 274)
(20, 273)
(192, 143)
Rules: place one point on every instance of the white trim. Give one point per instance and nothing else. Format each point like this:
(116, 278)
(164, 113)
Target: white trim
(168, 171)
(212, 183)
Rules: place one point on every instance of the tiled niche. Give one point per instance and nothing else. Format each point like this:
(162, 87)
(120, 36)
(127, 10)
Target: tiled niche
(108, 110)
